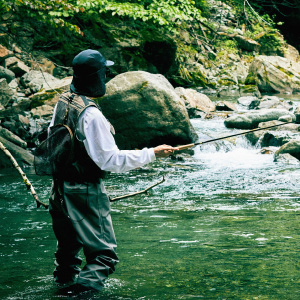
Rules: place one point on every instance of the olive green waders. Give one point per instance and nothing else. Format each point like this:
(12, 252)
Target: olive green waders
(81, 219)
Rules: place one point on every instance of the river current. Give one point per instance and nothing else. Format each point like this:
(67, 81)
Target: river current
(223, 225)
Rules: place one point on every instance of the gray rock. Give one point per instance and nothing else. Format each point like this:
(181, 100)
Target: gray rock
(268, 102)
(8, 135)
(195, 100)
(146, 111)
(23, 120)
(240, 72)
(225, 106)
(275, 74)
(7, 74)
(37, 80)
(247, 43)
(22, 156)
(289, 127)
(246, 101)
(297, 114)
(292, 147)
(6, 93)
(292, 53)
(20, 107)
(4, 53)
(286, 158)
(251, 120)
(286, 118)
(277, 138)
(16, 66)
(44, 111)
(14, 85)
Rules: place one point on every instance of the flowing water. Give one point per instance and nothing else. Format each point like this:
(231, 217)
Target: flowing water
(224, 225)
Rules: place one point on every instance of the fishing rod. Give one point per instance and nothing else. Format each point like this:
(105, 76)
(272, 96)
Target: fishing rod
(183, 147)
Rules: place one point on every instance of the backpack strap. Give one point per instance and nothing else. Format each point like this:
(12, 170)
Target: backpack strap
(70, 100)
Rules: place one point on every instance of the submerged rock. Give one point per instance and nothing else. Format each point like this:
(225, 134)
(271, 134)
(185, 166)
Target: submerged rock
(146, 111)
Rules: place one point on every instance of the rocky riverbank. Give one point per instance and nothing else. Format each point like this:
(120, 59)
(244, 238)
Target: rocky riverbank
(228, 59)
(144, 108)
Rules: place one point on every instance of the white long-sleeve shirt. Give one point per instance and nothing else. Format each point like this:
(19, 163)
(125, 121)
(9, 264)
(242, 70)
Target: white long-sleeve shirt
(93, 130)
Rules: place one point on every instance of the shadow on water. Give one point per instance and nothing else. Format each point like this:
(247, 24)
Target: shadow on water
(224, 225)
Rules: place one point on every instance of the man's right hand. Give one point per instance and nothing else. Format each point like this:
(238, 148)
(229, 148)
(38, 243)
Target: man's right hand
(164, 150)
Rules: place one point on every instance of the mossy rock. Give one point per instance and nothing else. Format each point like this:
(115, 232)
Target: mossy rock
(272, 43)
(251, 79)
(226, 82)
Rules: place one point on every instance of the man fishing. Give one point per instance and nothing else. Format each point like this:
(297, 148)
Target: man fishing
(79, 205)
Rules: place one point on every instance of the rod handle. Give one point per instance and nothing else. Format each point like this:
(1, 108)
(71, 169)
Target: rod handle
(183, 147)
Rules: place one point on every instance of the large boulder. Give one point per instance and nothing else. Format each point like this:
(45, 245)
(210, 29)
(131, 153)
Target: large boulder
(146, 111)
(251, 120)
(275, 74)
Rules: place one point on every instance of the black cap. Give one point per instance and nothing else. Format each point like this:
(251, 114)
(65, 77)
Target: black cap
(89, 73)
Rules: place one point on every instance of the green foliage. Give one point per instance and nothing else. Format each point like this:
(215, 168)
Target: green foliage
(53, 12)
(65, 13)
(167, 14)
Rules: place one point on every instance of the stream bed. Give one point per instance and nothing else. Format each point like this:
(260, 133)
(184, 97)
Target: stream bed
(224, 225)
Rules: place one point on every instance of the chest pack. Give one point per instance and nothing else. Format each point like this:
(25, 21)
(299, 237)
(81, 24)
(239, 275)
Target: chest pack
(62, 155)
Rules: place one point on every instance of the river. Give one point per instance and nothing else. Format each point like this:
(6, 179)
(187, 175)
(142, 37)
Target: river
(224, 225)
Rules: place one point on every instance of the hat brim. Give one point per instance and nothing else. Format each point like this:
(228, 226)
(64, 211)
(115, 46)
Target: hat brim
(109, 63)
